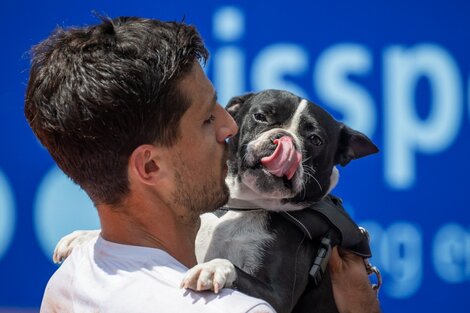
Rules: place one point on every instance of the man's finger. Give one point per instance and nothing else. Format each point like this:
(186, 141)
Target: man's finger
(335, 259)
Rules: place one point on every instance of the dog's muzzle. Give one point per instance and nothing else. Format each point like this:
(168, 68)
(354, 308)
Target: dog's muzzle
(285, 159)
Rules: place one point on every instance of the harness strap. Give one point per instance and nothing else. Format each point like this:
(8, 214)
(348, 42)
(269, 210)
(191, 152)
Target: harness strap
(328, 215)
(328, 222)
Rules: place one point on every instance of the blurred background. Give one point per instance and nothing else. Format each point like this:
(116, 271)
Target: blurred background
(395, 70)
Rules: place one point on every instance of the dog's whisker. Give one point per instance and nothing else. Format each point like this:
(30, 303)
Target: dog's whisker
(318, 183)
(304, 190)
(309, 173)
(305, 160)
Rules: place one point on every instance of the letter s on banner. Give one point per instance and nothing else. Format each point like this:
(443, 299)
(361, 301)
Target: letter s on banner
(274, 62)
(335, 88)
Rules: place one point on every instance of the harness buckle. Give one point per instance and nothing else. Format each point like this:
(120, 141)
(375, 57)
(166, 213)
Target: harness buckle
(321, 261)
(372, 269)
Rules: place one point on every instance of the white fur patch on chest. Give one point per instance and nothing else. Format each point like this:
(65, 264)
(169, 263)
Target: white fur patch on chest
(240, 237)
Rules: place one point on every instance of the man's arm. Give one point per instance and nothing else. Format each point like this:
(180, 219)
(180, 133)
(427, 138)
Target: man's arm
(352, 289)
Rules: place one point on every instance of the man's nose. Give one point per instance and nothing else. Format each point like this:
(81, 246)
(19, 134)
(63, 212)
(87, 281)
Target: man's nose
(228, 126)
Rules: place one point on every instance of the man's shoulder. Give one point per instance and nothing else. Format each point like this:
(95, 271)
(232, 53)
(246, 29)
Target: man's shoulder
(115, 283)
(229, 300)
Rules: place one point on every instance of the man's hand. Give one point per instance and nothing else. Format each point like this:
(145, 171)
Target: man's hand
(352, 289)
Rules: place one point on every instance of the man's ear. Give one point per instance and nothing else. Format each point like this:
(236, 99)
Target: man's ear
(144, 164)
(353, 145)
(236, 103)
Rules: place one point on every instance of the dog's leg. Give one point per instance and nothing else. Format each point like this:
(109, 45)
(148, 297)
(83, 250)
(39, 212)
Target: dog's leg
(67, 243)
(204, 236)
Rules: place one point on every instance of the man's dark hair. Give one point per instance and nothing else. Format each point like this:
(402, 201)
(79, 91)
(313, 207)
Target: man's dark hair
(98, 92)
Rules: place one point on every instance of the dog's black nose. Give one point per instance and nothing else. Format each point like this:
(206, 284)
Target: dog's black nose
(279, 135)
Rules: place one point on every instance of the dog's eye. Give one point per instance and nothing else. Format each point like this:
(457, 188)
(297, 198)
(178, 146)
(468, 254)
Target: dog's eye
(314, 139)
(260, 117)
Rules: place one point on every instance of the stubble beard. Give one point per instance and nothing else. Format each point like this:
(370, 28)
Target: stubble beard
(198, 199)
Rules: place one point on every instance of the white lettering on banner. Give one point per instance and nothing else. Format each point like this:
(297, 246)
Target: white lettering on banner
(405, 133)
(451, 253)
(331, 80)
(228, 23)
(229, 60)
(274, 62)
(7, 214)
(61, 207)
(228, 68)
(398, 253)
(402, 255)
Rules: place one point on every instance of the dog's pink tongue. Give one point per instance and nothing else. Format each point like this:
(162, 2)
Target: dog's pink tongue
(285, 160)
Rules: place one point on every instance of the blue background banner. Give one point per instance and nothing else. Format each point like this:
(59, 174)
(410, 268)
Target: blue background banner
(396, 70)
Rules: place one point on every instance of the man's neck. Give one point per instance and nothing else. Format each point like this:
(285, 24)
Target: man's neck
(157, 227)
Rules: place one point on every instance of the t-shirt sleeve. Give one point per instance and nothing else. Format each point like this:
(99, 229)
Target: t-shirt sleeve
(55, 298)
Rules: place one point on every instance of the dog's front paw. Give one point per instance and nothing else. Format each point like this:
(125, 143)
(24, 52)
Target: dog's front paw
(213, 275)
(67, 243)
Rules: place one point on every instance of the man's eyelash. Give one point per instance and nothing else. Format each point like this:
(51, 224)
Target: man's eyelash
(210, 119)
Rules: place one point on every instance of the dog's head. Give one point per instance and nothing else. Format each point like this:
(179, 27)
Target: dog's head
(284, 155)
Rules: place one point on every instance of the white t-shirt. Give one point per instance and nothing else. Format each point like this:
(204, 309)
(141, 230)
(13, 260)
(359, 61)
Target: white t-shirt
(102, 276)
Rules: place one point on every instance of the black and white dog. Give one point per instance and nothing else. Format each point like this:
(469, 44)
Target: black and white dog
(282, 159)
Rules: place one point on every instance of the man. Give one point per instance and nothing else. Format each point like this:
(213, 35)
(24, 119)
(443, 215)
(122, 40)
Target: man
(127, 113)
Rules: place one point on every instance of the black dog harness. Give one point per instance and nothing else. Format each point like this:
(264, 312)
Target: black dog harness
(328, 222)
(323, 225)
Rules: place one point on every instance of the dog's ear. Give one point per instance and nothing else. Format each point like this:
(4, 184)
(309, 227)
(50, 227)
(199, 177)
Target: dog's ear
(353, 145)
(236, 103)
